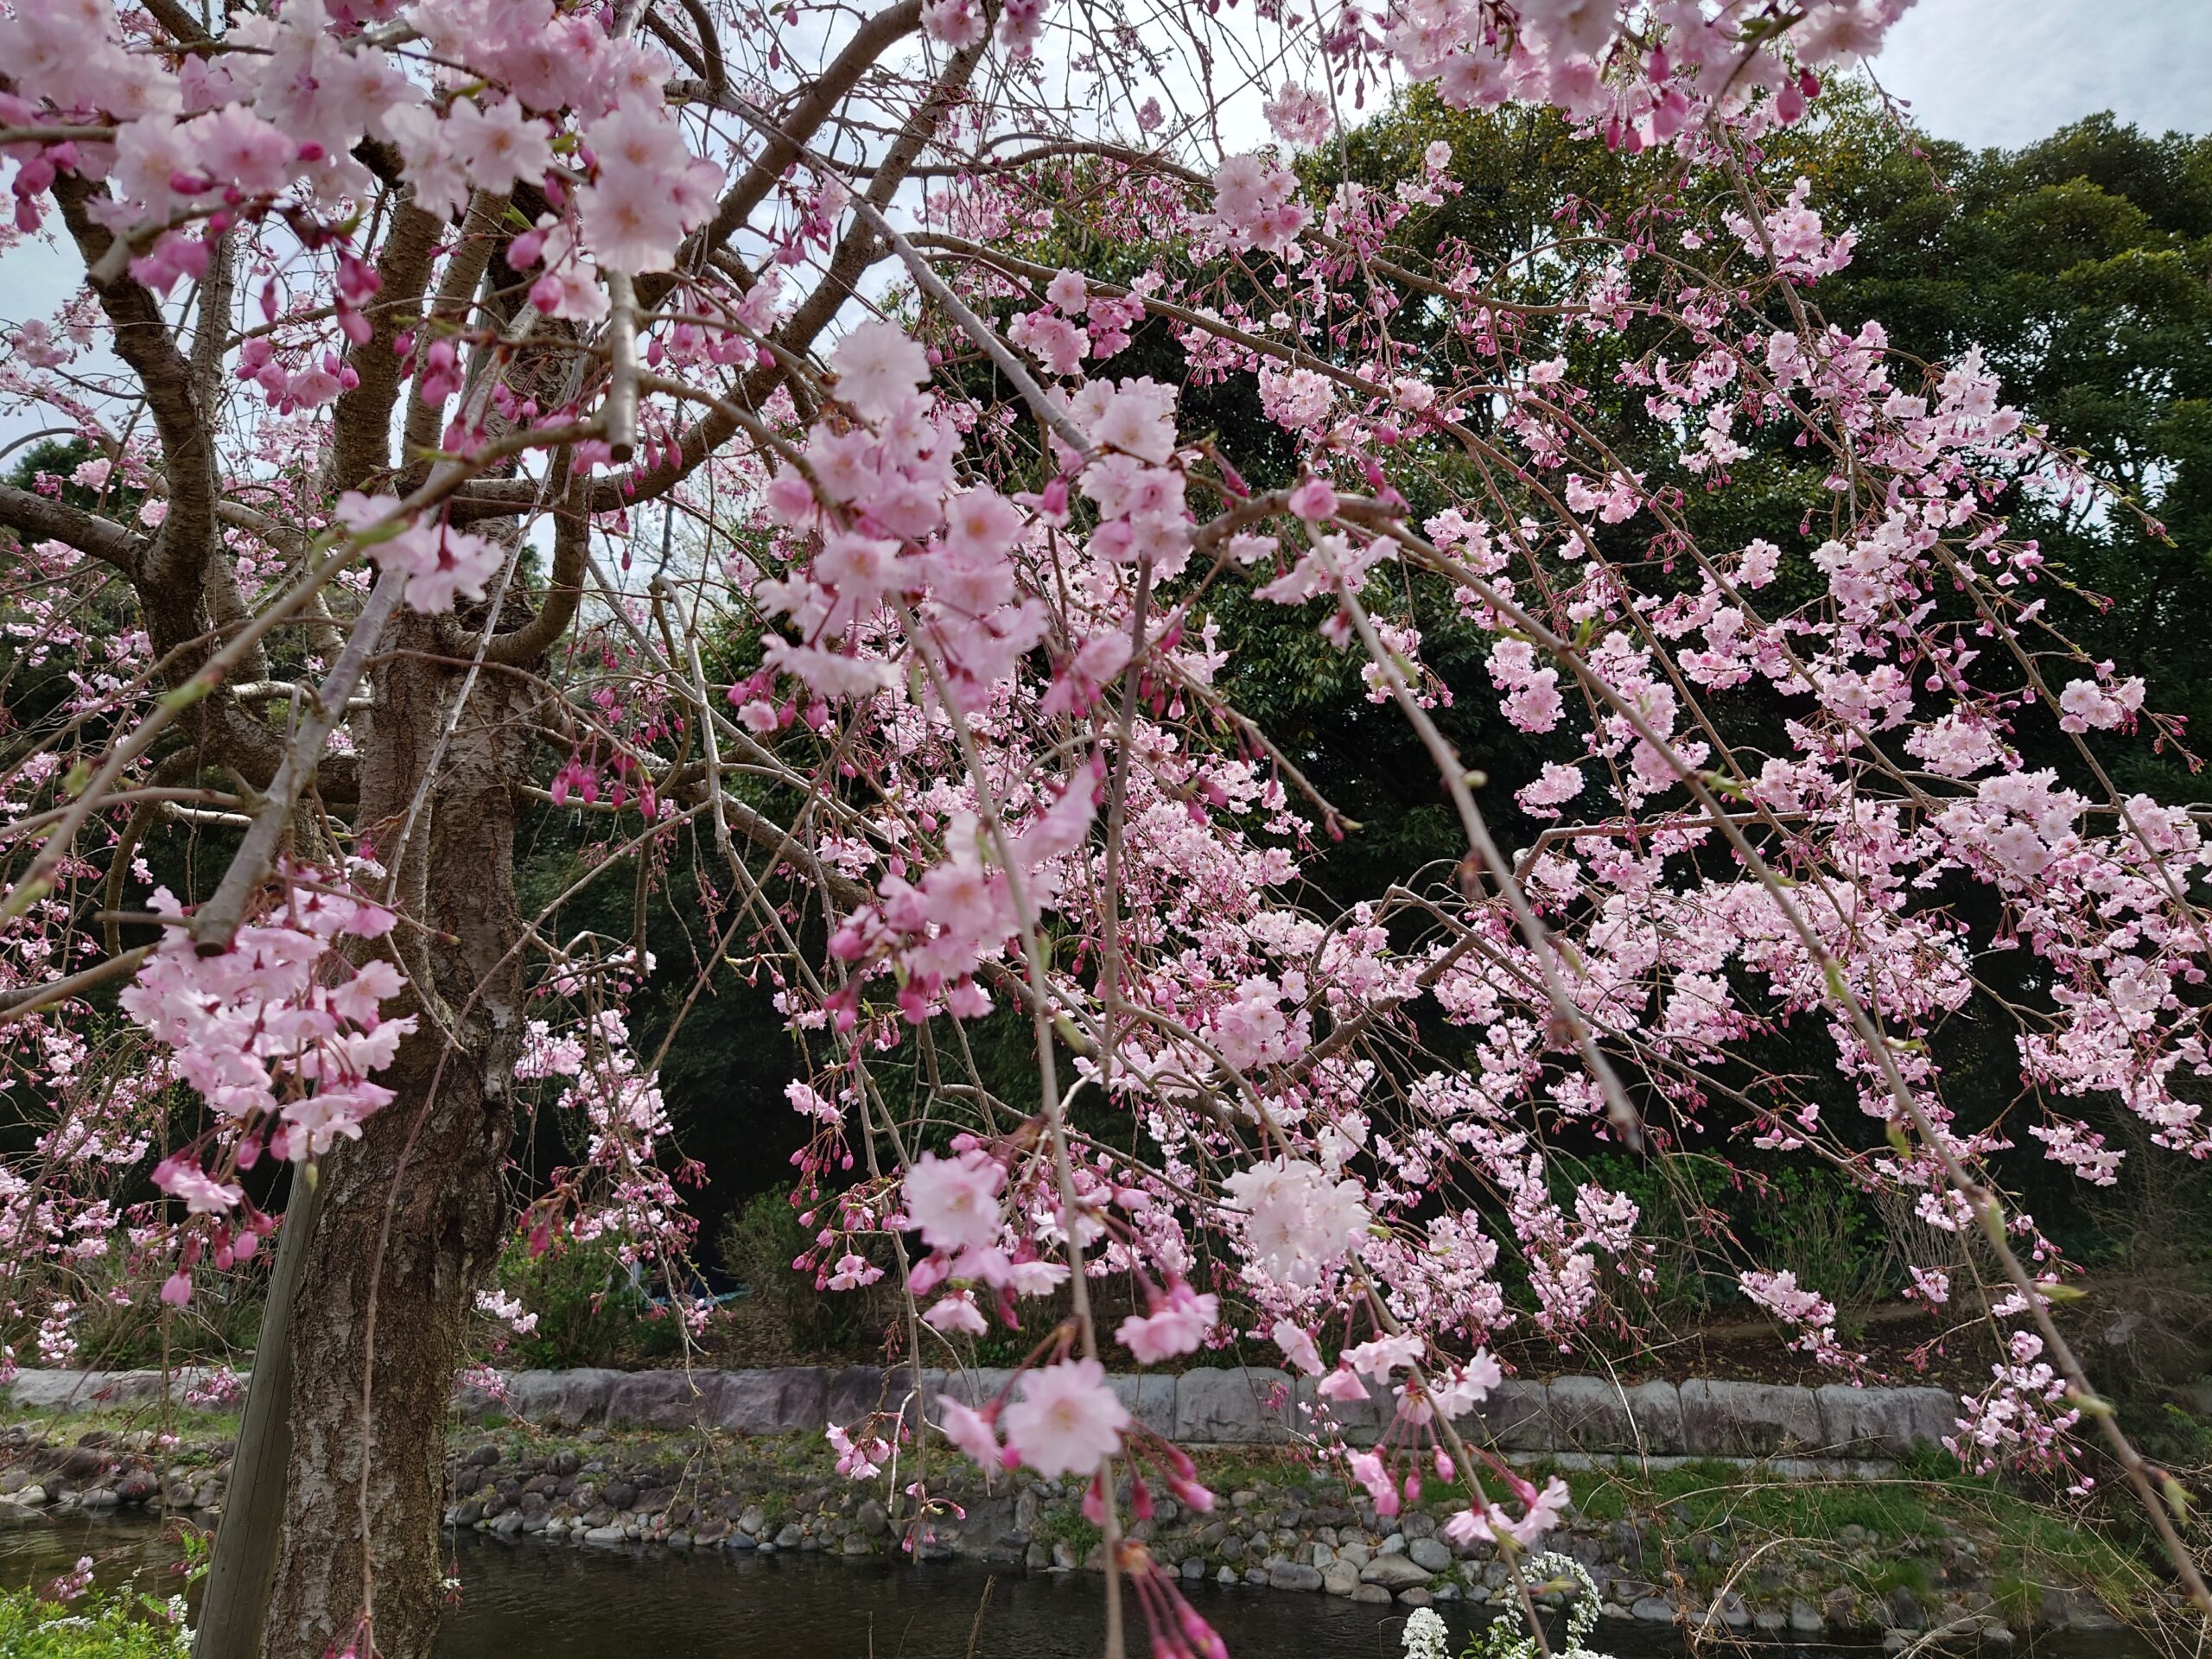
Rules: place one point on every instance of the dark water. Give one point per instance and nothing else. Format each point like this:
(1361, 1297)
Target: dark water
(556, 1601)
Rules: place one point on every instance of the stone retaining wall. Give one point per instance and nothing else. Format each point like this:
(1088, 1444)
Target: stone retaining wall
(100, 1390)
(1246, 1407)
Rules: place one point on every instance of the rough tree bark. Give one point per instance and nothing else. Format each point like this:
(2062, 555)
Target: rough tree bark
(412, 1213)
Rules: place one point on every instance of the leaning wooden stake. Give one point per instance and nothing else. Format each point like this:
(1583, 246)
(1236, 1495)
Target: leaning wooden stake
(244, 1571)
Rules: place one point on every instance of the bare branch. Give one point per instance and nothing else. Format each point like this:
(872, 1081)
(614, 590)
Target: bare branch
(215, 922)
(38, 517)
(16, 1004)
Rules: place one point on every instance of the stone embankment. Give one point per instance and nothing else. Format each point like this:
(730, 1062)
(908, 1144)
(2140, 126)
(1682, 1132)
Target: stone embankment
(1258, 1407)
(1827, 1429)
(724, 1461)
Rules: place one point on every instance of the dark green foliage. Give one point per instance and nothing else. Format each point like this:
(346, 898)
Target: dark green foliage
(723, 1079)
(590, 1310)
(1810, 1220)
(759, 1242)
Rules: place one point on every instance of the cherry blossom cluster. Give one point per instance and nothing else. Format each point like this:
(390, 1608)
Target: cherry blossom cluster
(280, 1049)
(625, 1190)
(277, 125)
(441, 564)
(951, 578)
(277, 1042)
(1910, 965)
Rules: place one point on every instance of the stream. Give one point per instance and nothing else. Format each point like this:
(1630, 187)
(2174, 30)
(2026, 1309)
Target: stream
(523, 1596)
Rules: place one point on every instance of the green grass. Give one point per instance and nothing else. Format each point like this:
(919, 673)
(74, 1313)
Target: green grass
(1598, 1493)
(2019, 1599)
(1067, 1526)
(2025, 1543)
(1910, 1573)
(193, 1429)
(1233, 1472)
(1704, 1496)
(177, 1420)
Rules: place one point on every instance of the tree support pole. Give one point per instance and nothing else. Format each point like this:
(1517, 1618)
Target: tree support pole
(251, 1530)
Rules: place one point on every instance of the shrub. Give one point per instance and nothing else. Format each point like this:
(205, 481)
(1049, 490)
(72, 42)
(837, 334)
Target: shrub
(121, 1323)
(1681, 1205)
(1816, 1223)
(591, 1311)
(759, 1244)
(1700, 1224)
(95, 1626)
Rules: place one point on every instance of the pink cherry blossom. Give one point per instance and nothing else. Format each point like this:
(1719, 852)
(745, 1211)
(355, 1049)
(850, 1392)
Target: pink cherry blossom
(954, 1201)
(970, 1431)
(1177, 1322)
(1540, 1512)
(878, 367)
(1298, 1347)
(1066, 1417)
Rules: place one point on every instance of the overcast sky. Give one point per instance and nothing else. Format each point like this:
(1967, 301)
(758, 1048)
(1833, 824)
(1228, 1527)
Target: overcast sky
(2008, 72)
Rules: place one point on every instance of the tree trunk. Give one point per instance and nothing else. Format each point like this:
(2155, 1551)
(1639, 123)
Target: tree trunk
(413, 1213)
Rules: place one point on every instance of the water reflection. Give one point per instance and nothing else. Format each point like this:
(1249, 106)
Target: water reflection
(522, 1596)
(562, 1602)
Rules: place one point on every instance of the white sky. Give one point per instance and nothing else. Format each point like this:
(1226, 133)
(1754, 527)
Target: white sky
(2009, 72)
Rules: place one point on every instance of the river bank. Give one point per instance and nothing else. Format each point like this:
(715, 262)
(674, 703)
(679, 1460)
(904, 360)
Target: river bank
(1785, 1548)
(1702, 1546)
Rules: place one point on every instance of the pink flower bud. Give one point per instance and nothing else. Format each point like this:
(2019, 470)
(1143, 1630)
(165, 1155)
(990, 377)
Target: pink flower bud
(1314, 500)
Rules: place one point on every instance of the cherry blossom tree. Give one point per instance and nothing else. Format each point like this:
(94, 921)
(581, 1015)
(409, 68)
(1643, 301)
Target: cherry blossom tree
(412, 336)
